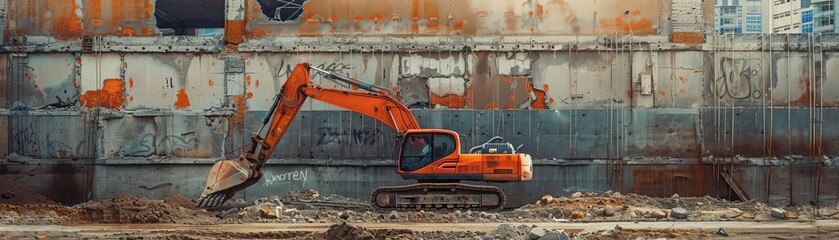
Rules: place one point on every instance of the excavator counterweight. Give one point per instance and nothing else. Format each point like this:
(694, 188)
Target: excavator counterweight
(430, 156)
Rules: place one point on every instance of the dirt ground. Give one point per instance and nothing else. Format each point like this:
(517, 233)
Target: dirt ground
(344, 213)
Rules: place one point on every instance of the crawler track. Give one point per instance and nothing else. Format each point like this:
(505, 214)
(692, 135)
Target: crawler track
(437, 196)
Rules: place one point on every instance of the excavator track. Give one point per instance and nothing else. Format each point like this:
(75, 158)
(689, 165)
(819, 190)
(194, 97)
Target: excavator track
(439, 196)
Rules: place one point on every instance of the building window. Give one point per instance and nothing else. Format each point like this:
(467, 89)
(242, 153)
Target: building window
(827, 7)
(828, 21)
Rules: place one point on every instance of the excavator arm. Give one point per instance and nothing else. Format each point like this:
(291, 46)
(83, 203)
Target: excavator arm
(230, 176)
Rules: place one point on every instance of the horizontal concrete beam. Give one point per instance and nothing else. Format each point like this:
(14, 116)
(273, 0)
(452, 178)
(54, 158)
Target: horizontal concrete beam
(290, 44)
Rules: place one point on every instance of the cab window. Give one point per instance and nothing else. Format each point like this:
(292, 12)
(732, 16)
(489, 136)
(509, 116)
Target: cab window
(419, 150)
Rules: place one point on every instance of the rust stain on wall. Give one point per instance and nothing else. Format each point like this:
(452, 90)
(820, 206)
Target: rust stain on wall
(629, 23)
(71, 19)
(687, 37)
(449, 101)
(183, 99)
(110, 96)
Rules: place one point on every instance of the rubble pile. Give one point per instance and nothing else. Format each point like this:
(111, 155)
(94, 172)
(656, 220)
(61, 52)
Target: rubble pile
(41, 214)
(632, 207)
(132, 209)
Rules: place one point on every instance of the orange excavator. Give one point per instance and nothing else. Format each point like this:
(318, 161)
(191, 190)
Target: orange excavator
(431, 156)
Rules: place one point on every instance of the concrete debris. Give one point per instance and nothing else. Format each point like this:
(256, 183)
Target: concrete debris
(778, 213)
(268, 210)
(536, 233)
(344, 231)
(392, 215)
(507, 231)
(679, 213)
(577, 195)
(555, 235)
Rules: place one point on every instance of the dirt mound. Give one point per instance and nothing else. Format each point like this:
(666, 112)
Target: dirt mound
(621, 233)
(41, 214)
(15, 194)
(345, 231)
(132, 209)
(506, 231)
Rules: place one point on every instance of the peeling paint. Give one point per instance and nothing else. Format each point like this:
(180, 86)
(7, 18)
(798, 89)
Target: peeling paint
(110, 96)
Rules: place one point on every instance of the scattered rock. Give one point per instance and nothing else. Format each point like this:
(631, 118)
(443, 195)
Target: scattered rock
(577, 195)
(658, 214)
(268, 210)
(392, 215)
(576, 214)
(346, 214)
(507, 231)
(545, 200)
(344, 231)
(536, 233)
(748, 215)
(555, 235)
(790, 215)
(778, 213)
(679, 213)
(675, 195)
(608, 211)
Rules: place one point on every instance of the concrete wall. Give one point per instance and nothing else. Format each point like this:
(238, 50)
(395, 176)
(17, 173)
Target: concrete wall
(619, 97)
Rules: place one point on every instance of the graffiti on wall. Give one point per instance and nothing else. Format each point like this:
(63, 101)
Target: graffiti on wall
(362, 136)
(27, 140)
(285, 68)
(286, 177)
(738, 78)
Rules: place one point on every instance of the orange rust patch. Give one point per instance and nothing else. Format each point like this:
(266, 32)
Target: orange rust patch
(539, 102)
(458, 25)
(492, 106)
(129, 32)
(376, 17)
(682, 79)
(629, 24)
(687, 37)
(804, 99)
(661, 93)
(211, 82)
(130, 82)
(183, 99)
(628, 93)
(414, 16)
(449, 100)
(234, 31)
(248, 80)
(540, 10)
(250, 95)
(110, 96)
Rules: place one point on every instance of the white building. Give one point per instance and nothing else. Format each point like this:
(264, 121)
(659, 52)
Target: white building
(791, 16)
(738, 16)
(824, 16)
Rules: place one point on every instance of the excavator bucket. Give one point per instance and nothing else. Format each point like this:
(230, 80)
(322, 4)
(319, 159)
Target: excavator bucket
(226, 178)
